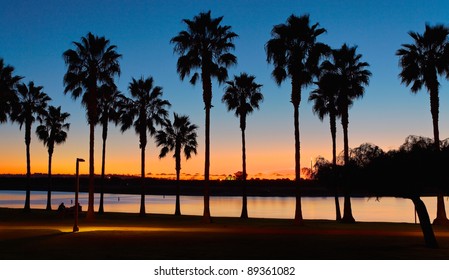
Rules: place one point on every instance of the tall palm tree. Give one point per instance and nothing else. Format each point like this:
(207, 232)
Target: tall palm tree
(243, 95)
(52, 132)
(205, 46)
(93, 62)
(325, 103)
(32, 103)
(421, 63)
(144, 111)
(109, 104)
(352, 77)
(8, 94)
(177, 137)
(295, 53)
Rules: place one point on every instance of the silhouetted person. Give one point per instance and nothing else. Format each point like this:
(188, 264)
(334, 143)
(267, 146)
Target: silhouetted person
(61, 207)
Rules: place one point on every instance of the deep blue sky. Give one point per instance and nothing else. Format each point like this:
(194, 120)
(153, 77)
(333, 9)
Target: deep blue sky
(34, 34)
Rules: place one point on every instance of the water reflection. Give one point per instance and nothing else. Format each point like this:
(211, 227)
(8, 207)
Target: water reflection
(364, 209)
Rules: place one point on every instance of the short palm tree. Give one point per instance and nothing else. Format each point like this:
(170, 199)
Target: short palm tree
(144, 111)
(205, 46)
(177, 137)
(295, 53)
(422, 62)
(51, 132)
(109, 104)
(352, 76)
(92, 63)
(243, 96)
(324, 99)
(32, 103)
(8, 94)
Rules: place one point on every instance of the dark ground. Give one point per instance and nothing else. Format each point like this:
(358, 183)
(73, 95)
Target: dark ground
(45, 235)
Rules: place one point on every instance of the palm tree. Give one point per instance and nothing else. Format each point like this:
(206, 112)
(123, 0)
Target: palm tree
(8, 94)
(109, 104)
(324, 98)
(243, 95)
(144, 112)
(421, 63)
(52, 131)
(32, 103)
(352, 77)
(295, 53)
(92, 63)
(179, 136)
(205, 45)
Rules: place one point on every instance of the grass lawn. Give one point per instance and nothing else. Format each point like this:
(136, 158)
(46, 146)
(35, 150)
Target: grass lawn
(45, 235)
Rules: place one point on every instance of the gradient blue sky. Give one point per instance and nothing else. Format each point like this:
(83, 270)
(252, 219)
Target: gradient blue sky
(34, 34)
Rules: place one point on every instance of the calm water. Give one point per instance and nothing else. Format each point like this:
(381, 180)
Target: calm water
(364, 209)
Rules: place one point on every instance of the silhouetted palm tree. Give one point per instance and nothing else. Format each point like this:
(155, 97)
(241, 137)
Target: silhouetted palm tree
(144, 111)
(52, 131)
(295, 53)
(32, 103)
(353, 77)
(325, 103)
(421, 63)
(92, 63)
(205, 45)
(109, 104)
(179, 136)
(243, 95)
(8, 94)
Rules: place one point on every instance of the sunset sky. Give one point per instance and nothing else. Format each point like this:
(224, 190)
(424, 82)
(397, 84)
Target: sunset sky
(34, 34)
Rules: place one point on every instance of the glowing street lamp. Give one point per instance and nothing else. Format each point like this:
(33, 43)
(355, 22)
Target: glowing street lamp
(75, 226)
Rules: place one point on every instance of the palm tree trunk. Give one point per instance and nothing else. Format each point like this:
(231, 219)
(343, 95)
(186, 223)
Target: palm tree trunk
(441, 218)
(244, 214)
(333, 127)
(92, 115)
(298, 208)
(347, 211)
(103, 166)
(142, 181)
(434, 110)
(296, 101)
(50, 183)
(424, 222)
(27, 207)
(90, 208)
(178, 188)
(207, 98)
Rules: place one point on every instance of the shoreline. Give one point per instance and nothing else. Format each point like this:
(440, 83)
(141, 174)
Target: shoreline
(132, 185)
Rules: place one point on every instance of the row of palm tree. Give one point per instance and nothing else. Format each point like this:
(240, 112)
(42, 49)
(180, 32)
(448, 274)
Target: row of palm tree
(204, 50)
(25, 104)
(341, 80)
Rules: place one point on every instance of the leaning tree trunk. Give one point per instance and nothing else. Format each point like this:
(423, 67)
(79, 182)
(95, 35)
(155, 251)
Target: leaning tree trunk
(296, 100)
(347, 211)
(207, 98)
(424, 222)
(27, 207)
(50, 183)
(103, 167)
(333, 127)
(244, 214)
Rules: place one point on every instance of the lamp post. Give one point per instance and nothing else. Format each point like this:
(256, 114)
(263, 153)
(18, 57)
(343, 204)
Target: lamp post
(75, 226)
